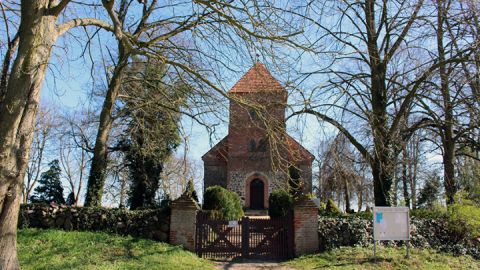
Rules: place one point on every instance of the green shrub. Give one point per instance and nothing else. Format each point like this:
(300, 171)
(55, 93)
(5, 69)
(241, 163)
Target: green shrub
(429, 213)
(321, 208)
(331, 209)
(190, 191)
(222, 204)
(464, 215)
(280, 202)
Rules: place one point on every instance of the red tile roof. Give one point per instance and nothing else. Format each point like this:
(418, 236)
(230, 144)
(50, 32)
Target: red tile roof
(297, 152)
(257, 79)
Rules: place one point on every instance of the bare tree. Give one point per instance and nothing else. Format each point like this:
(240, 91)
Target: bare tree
(375, 74)
(38, 31)
(449, 103)
(74, 154)
(178, 170)
(44, 129)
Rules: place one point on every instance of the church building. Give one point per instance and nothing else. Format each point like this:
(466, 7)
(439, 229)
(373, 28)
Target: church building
(257, 156)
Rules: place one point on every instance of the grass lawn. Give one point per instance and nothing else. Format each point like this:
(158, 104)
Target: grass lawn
(387, 258)
(54, 249)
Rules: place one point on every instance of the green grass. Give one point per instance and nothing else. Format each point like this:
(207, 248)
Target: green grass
(387, 258)
(53, 249)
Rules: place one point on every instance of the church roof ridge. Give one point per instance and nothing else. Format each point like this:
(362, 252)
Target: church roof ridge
(257, 79)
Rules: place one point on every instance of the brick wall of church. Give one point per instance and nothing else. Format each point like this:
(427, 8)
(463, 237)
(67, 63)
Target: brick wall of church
(215, 174)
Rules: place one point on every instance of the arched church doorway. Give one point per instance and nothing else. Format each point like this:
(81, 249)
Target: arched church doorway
(257, 189)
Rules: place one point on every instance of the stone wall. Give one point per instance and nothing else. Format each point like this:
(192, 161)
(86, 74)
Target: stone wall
(434, 233)
(152, 224)
(238, 181)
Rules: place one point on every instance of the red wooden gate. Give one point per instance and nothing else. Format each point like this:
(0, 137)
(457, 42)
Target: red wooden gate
(248, 237)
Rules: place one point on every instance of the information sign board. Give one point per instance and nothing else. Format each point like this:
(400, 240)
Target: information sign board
(391, 223)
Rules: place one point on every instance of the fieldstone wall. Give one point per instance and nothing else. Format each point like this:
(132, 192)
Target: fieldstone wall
(237, 182)
(152, 224)
(425, 232)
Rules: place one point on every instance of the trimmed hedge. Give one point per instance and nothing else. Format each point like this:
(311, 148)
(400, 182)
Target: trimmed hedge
(280, 203)
(222, 203)
(152, 224)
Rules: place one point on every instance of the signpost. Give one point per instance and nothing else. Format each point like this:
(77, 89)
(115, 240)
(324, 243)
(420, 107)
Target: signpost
(391, 223)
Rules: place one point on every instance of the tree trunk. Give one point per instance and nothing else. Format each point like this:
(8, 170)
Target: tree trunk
(18, 110)
(449, 170)
(347, 195)
(98, 167)
(382, 185)
(448, 140)
(405, 157)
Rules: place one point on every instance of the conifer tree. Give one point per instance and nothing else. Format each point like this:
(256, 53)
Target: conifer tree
(50, 187)
(190, 190)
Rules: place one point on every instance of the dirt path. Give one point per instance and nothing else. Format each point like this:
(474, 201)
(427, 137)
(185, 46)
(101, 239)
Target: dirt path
(250, 265)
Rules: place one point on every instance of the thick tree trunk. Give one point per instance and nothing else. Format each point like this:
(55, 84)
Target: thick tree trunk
(382, 185)
(449, 171)
(18, 110)
(98, 167)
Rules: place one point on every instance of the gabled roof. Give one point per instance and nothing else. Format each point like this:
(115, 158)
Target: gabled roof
(297, 152)
(218, 152)
(257, 79)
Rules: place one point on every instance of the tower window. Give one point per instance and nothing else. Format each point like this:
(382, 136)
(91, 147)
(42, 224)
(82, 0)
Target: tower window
(262, 145)
(253, 114)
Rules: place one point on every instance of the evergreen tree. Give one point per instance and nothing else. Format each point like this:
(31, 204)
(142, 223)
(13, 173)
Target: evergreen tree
(429, 193)
(190, 190)
(49, 187)
(70, 199)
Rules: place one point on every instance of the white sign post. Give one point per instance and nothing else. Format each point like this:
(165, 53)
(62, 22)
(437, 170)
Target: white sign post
(391, 223)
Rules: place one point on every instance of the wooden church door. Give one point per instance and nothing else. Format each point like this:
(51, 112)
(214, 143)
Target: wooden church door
(256, 194)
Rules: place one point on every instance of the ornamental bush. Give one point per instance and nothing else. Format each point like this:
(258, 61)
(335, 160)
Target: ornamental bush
(280, 202)
(222, 203)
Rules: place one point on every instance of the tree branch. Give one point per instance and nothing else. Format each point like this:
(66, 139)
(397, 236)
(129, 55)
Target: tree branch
(63, 28)
(339, 126)
(56, 10)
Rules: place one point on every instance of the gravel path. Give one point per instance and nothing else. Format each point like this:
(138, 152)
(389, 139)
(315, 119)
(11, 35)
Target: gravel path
(250, 264)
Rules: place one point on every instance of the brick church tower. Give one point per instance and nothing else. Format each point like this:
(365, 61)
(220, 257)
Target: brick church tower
(257, 156)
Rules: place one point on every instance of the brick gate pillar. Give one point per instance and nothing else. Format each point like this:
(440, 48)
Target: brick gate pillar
(305, 227)
(182, 222)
